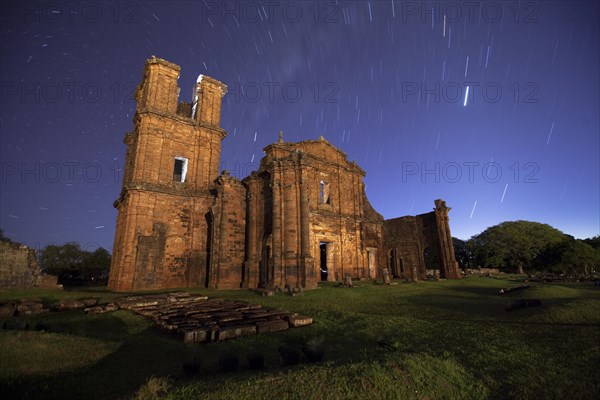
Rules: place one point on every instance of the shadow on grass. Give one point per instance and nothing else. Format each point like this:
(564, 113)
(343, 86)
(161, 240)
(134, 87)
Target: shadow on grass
(99, 326)
(462, 319)
(121, 372)
(146, 352)
(492, 310)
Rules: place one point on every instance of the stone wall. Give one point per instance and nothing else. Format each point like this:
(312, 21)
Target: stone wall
(404, 248)
(416, 244)
(228, 234)
(18, 265)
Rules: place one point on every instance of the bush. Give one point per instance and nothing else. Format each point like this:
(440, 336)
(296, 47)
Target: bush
(154, 388)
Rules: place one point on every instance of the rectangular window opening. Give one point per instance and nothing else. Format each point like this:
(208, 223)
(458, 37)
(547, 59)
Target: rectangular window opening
(324, 197)
(180, 169)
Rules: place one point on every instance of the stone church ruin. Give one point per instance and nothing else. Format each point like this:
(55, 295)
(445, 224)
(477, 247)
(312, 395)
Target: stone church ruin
(301, 218)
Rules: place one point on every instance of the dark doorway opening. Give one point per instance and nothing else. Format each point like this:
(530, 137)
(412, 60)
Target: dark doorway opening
(265, 277)
(323, 254)
(393, 263)
(266, 274)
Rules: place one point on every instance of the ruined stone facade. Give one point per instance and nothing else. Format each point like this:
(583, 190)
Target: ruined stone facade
(303, 217)
(18, 266)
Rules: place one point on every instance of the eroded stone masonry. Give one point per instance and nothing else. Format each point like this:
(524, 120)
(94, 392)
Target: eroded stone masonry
(303, 217)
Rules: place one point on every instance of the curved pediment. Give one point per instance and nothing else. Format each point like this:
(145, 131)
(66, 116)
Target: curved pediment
(323, 149)
(320, 149)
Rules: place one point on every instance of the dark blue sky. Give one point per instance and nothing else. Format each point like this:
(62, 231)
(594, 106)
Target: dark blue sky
(385, 81)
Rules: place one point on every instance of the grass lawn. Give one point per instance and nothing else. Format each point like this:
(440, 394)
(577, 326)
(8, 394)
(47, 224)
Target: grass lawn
(431, 340)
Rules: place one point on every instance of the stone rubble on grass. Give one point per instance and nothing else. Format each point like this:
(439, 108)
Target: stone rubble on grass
(33, 306)
(549, 278)
(197, 319)
(30, 307)
(193, 318)
(70, 305)
(514, 289)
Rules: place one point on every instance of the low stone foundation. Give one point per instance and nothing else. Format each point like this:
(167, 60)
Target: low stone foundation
(198, 319)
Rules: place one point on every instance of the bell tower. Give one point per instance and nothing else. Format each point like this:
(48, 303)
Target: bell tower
(172, 160)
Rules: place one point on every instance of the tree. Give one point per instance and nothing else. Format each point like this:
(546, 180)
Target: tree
(4, 238)
(513, 245)
(70, 263)
(462, 253)
(593, 241)
(571, 256)
(94, 266)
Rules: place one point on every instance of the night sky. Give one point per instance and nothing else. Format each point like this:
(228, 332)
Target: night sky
(384, 81)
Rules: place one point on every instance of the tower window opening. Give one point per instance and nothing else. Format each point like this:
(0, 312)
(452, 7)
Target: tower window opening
(180, 169)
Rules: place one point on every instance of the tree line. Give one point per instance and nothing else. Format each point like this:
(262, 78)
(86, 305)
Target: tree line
(526, 247)
(74, 265)
(71, 264)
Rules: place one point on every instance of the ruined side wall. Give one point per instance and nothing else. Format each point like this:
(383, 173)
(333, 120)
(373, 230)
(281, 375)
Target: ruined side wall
(229, 234)
(18, 265)
(421, 242)
(403, 234)
(430, 246)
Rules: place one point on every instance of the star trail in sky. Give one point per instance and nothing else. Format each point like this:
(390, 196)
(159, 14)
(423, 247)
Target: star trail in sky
(491, 106)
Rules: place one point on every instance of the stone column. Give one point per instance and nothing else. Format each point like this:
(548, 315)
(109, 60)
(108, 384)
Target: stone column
(306, 266)
(276, 187)
(449, 265)
(250, 265)
(217, 270)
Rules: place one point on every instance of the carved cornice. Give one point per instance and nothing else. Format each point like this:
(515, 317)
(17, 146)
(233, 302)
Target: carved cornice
(189, 121)
(349, 217)
(175, 189)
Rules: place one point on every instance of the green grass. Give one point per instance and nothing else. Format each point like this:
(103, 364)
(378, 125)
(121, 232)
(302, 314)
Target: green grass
(431, 340)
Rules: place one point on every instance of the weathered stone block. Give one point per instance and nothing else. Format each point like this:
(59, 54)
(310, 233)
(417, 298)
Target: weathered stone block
(94, 310)
(7, 310)
(29, 308)
(272, 326)
(233, 332)
(70, 304)
(296, 320)
(194, 335)
(89, 302)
